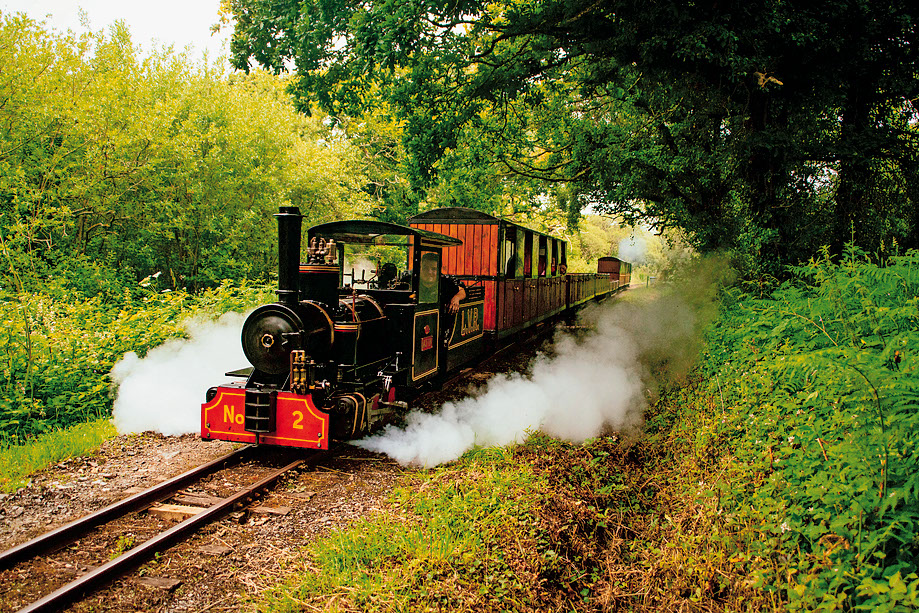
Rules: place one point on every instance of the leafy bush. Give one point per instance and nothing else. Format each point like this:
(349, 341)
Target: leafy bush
(152, 164)
(56, 352)
(820, 397)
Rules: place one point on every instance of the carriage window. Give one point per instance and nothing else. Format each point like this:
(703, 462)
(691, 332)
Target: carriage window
(528, 255)
(543, 244)
(429, 283)
(554, 257)
(510, 252)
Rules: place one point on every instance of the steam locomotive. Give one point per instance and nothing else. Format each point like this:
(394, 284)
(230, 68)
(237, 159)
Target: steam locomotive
(363, 324)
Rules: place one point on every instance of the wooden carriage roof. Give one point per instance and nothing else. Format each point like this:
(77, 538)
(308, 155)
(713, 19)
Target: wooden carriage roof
(454, 214)
(461, 215)
(366, 231)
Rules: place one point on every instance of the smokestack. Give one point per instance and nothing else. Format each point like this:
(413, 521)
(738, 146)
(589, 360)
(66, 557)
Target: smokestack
(289, 219)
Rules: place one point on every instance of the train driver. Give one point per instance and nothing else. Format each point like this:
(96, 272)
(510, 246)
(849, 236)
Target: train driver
(386, 277)
(450, 289)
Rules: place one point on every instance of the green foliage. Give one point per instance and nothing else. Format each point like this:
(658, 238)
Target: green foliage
(18, 461)
(152, 165)
(820, 391)
(770, 128)
(56, 350)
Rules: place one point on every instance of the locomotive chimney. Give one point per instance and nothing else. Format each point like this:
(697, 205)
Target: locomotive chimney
(289, 220)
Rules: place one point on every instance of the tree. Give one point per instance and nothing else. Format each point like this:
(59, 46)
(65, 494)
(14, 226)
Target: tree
(152, 164)
(770, 127)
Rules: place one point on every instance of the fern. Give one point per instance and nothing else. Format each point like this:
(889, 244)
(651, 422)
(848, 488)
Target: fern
(822, 378)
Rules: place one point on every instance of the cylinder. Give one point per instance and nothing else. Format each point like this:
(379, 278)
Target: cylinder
(289, 220)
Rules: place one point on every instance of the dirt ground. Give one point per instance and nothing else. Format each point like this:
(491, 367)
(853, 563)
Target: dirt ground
(241, 554)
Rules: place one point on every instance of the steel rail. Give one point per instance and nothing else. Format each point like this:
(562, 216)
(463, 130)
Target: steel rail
(68, 533)
(129, 560)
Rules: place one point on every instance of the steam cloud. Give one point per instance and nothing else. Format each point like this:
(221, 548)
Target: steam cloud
(633, 249)
(585, 384)
(589, 383)
(164, 390)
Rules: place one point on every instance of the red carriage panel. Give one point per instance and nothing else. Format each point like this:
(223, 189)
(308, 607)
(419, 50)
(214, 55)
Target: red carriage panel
(533, 298)
(489, 253)
(492, 257)
(485, 254)
(544, 296)
(473, 232)
(490, 305)
(501, 310)
(449, 254)
(513, 296)
(461, 261)
(473, 255)
(470, 248)
(465, 252)
(480, 247)
(519, 301)
(458, 253)
(525, 290)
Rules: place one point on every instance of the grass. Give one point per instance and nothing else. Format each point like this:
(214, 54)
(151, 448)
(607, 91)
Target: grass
(17, 462)
(451, 540)
(545, 526)
(616, 523)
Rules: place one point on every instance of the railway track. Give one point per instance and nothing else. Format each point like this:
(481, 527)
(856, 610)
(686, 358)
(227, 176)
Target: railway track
(127, 561)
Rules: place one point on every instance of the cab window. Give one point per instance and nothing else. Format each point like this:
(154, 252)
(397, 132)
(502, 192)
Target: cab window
(429, 280)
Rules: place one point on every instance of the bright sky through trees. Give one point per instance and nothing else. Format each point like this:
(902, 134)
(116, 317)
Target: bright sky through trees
(167, 22)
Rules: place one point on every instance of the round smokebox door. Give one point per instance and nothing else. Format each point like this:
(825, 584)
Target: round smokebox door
(268, 339)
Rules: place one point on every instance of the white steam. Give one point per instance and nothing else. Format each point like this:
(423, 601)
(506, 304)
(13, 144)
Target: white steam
(597, 381)
(633, 250)
(164, 390)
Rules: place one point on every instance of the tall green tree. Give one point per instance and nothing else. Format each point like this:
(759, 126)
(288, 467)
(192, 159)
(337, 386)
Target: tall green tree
(152, 164)
(771, 126)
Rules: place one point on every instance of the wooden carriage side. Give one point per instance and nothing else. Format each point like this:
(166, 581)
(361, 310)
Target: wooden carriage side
(522, 271)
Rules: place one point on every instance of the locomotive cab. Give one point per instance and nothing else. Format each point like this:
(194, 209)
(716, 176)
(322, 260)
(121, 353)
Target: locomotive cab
(397, 268)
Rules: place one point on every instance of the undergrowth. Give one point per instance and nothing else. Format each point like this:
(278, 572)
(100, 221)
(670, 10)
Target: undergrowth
(820, 410)
(546, 526)
(19, 461)
(58, 347)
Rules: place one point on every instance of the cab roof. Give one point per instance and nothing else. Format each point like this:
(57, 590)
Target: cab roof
(366, 231)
